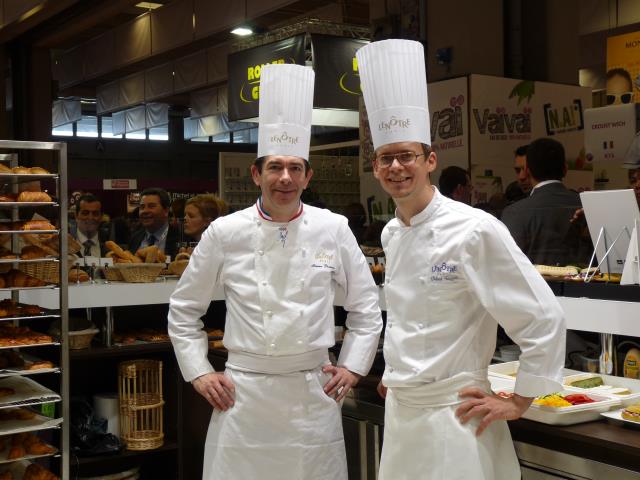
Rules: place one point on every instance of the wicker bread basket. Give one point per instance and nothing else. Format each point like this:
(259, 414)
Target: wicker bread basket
(139, 272)
(48, 272)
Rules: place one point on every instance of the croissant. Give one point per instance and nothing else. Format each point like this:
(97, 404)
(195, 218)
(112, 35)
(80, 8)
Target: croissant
(37, 224)
(34, 197)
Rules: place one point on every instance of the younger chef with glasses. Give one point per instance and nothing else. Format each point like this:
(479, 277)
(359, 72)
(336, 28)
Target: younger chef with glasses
(453, 273)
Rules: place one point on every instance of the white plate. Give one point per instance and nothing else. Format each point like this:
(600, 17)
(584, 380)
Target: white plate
(610, 381)
(569, 415)
(617, 415)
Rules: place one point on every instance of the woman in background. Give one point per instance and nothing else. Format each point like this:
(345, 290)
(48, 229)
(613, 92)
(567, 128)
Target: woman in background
(199, 212)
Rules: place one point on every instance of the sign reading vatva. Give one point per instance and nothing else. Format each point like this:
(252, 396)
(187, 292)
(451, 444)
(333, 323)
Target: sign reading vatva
(244, 73)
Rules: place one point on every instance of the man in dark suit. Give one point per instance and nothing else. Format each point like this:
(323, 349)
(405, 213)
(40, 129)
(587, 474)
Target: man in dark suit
(154, 217)
(541, 223)
(87, 228)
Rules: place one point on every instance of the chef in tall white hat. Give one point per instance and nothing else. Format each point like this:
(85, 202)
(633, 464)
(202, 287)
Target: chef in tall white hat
(453, 273)
(277, 404)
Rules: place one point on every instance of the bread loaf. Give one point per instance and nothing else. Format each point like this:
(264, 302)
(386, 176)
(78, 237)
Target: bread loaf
(78, 275)
(38, 171)
(30, 252)
(21, 170)
(34, 197)
(8, 197)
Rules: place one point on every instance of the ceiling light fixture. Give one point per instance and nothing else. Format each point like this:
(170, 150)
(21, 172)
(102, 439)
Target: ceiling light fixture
(242, 31)
(148, 5)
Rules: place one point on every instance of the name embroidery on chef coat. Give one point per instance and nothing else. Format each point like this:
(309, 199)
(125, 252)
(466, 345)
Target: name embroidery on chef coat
(322, 259)
(445, 272)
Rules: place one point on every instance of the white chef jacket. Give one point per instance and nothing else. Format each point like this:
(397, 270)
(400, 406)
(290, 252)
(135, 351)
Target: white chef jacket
(279, 282)
(451, 274)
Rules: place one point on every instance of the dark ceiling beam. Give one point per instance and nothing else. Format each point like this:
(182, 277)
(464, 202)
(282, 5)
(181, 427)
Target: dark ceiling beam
(34, 17)
(75, 26)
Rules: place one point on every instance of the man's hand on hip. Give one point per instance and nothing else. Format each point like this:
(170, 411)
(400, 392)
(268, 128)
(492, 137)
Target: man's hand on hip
(489, 407)
(217, 389)
(341, 382)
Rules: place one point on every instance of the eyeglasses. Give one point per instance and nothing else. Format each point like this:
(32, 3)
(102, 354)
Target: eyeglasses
(405, 158)
(625, 97)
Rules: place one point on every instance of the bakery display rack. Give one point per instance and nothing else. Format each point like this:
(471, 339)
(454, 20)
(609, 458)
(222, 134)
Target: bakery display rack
(28, 407)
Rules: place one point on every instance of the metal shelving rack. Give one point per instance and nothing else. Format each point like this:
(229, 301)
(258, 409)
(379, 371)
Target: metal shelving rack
(12, 150)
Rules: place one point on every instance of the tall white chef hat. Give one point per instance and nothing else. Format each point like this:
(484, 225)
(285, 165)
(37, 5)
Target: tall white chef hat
(286, 102)
(394, 86)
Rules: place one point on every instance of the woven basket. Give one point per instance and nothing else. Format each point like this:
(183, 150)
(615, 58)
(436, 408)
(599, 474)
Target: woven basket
(82, 338)
(46, 271)
(139, 272)
(112, 274)
(141, 404)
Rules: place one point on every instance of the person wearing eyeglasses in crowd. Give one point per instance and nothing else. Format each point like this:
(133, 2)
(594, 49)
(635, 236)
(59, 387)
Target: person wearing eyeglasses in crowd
(453, 273)
(619, 87)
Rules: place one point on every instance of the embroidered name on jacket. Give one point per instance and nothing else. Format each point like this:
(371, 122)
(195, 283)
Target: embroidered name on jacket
(322, 259)
(445, 272)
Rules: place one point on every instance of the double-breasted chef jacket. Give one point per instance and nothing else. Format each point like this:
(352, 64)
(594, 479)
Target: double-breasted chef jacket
(452, 274)
(279, 281)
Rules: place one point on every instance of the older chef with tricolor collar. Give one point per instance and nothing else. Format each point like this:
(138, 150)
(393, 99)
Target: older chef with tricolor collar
(277, 404)
(453, 273)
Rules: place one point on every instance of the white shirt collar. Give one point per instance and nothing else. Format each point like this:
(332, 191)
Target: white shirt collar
(428, 210)
(83, 238)
(543, 183)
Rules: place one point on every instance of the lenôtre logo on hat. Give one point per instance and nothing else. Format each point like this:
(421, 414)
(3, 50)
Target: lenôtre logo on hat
(284, 138)
(394, 123)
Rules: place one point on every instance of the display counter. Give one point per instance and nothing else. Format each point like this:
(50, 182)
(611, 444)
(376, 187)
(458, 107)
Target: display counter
(583, 310)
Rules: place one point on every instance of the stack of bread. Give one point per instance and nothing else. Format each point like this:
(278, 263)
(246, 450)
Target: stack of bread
(181, 261)
(151, 254)
(19, 170)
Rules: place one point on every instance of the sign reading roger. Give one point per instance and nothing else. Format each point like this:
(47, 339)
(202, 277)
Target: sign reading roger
(244, 73)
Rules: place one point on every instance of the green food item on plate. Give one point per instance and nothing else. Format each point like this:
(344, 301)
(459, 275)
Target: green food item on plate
(588, 382)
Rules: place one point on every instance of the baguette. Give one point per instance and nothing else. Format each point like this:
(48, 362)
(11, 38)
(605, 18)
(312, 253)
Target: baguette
(21, 170)
(5, 169)
(38, 171)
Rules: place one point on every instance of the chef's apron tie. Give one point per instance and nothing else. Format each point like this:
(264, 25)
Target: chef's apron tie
(442, 393)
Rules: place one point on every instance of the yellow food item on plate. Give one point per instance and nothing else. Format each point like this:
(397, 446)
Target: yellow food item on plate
(553, 400)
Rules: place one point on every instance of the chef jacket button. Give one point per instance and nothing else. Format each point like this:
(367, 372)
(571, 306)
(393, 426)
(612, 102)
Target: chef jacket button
(260, 252)
(305, 221)
(299, 342)
(273, 345)
(269, 313)
(264, 284)
(301, 312)
(421, 325)
(389, 325)
(421, 279)
(391, 369)
(415, 370)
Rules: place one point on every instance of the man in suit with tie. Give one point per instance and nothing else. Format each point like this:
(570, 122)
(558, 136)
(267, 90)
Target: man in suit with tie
(87, 231)
(154, 217)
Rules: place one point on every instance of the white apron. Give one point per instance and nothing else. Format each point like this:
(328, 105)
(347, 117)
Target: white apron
(423, 438)
(282, 427)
